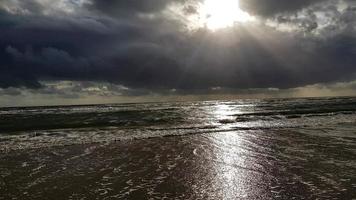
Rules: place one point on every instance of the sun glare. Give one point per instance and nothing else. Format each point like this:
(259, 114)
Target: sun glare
(216, 14)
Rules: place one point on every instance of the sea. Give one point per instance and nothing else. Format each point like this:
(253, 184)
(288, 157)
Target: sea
(302, 148)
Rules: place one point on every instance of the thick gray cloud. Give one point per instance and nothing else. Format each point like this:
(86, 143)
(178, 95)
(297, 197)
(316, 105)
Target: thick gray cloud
(144, 47)
(123, 7)
(272, 7)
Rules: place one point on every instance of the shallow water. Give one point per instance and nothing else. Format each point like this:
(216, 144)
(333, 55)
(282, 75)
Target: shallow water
(246, 149)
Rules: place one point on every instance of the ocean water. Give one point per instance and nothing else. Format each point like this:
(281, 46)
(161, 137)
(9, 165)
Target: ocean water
(241, 149)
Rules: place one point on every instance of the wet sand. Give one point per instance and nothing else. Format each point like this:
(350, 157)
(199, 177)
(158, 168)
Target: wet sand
(225, 165)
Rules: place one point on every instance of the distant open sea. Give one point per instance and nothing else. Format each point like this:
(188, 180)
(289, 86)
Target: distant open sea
(242, 149)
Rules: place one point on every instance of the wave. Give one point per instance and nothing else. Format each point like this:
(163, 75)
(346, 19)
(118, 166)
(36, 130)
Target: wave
(77, 124)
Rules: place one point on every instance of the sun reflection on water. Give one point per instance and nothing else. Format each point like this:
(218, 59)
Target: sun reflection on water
(223, 115)
(229, 165)
(227, 153)
(230, 153)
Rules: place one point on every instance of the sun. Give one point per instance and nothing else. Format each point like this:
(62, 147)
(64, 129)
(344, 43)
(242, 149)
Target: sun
(217, 14)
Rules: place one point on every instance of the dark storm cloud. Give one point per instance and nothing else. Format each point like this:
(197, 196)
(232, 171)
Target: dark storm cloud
(272, 7)
(132, 7)
(107, 41)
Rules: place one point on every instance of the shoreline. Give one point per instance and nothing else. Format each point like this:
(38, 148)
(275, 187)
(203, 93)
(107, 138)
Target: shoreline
(211, 166)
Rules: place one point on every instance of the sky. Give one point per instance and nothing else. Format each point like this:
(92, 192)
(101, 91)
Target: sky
(95, 51)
